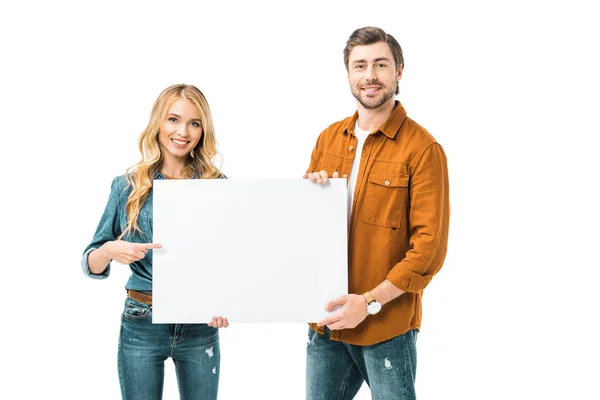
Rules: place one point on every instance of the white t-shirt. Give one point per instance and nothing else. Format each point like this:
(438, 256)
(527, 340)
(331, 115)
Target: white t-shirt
(361, 136)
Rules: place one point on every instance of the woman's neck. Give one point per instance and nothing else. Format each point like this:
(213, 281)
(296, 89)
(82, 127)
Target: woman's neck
(171, 169)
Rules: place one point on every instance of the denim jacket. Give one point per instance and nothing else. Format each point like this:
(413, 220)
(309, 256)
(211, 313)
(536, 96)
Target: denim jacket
(112, 224)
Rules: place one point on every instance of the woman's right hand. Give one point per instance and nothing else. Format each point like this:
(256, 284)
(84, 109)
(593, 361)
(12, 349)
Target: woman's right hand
(127, 252)
(218, 322)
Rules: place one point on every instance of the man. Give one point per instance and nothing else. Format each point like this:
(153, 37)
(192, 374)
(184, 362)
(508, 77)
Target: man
(398, 208)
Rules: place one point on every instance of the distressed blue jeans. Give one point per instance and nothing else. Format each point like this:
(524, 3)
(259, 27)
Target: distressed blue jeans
(144, 347)
(336, 370)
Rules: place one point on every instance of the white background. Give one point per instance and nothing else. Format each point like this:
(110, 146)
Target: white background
(509, 88)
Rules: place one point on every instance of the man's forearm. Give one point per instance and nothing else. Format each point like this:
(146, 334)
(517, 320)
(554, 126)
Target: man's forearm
(386, 292)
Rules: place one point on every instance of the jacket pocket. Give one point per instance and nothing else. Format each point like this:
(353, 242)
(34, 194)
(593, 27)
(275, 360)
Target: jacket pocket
(386, 197)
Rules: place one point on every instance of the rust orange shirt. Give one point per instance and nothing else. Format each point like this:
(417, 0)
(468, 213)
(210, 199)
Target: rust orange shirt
(399, 224)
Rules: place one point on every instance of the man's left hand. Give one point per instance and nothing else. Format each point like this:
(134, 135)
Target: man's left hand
(353, 311)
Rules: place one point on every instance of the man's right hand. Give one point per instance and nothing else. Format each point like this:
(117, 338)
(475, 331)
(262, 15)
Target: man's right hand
(126, 252)
(320, 177)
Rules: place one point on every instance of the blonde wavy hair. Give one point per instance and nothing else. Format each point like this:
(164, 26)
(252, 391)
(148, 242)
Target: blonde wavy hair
(201, 164)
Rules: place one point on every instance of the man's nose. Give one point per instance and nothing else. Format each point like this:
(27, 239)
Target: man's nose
(370, 73)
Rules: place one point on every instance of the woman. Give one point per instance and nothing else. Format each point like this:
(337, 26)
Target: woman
(178, 143)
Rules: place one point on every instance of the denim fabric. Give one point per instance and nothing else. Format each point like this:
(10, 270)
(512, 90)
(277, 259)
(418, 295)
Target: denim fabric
(336, 370)
(112, 224)
(144, 347)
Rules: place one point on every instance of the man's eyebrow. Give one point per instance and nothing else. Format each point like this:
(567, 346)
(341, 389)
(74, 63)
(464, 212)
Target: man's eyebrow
(362, 60)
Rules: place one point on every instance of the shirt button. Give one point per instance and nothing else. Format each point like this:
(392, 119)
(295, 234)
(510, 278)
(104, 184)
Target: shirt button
(345, 176)
(351, 148)
(387, 183)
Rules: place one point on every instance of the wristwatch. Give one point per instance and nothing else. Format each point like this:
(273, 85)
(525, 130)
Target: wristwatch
(373, 306)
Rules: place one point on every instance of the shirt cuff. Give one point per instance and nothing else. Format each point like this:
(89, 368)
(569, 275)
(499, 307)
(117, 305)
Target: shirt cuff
(408, 281)
(86, 267)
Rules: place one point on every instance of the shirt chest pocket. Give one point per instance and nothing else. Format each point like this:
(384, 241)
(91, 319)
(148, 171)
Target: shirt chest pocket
(329, 163)
(145, 222)
(386, 196)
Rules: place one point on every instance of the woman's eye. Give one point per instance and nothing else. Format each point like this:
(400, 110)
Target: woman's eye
(195, 124)
(172, 119)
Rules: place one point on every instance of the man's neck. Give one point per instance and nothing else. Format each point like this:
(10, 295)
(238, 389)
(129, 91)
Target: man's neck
(371, 119)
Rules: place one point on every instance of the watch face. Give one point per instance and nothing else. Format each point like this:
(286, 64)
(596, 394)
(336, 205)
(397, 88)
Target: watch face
(374, 307)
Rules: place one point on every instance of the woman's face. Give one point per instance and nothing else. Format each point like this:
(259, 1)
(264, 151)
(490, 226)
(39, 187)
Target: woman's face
(181, 131)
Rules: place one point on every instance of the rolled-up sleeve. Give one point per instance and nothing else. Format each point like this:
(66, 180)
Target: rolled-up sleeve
(429, 220)
(108, 229)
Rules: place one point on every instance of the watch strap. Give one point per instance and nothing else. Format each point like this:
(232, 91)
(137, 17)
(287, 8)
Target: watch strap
(369, 297)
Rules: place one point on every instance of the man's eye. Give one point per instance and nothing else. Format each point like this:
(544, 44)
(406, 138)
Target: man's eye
(359, 66)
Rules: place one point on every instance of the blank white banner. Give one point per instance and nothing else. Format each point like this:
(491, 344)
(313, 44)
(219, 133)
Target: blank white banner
(252, 250)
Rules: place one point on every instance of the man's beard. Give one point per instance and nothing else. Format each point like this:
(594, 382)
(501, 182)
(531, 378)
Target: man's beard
(356, 92)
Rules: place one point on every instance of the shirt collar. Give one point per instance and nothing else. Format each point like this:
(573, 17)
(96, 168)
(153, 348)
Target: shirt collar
(389, 128)
(158, 175)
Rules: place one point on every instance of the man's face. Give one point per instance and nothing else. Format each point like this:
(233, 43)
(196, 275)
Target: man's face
(373, 74)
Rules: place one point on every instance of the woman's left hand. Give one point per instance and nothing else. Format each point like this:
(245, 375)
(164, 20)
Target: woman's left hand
(218, 322)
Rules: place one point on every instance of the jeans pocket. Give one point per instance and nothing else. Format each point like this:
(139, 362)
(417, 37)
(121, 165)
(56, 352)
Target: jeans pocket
(135, 309)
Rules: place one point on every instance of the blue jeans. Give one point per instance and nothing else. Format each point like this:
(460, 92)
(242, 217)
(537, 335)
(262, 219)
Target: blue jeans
(336, 370)
(144, 347)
